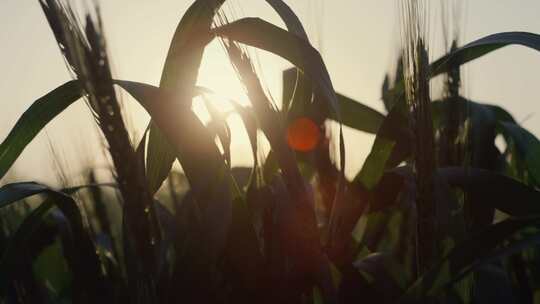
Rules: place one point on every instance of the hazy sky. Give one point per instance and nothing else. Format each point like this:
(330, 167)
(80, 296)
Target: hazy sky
(359, 40)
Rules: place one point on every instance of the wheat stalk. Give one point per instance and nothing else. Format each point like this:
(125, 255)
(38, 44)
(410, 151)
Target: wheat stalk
(415, 25)
(85, 52)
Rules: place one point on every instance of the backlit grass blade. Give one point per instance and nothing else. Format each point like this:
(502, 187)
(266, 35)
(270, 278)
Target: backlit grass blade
(179, 76)
(392, 146)
(266, 36)
(475, 50)
(15, 192)
(258, 33)
(36, 117)
(297, 93)
(34, 120)
(475, 111)
(354, 114)
(292, 21)
(193, 144)
(358, 116)
(296, 88)
(483, 46)
(203, 164)
(304, 245)
(250, 125)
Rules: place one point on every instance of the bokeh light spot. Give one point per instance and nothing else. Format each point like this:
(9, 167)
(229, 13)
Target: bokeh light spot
(303, 134)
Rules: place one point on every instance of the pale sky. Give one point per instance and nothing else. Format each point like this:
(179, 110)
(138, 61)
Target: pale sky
(358, 39)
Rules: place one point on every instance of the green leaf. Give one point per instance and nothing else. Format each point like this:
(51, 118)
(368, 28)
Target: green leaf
(16, 243)
(495, 190)
(50, 267)
(527, 145)
(358, 116)
(391, 147)
(34, 120)
(385, 270)
(375, 164)
(479, 122)
(475, 110)
(80, 250)
(470, 254)
(179, 75)
(483, 46)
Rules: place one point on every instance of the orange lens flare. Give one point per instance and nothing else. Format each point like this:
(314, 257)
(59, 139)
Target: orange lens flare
(303, 134)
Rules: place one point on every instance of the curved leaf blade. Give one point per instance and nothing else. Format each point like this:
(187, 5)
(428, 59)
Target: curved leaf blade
(193, 145)
(483, 46)
(475, 50)
(291, 20)
(475, 110)
(391, 147)
(40, 113)
(179, 75)
(203, 164)
(258, 33)
(528, 146)
(496, 190)
(358, 116)
(468, 255)
(11, 193)
(187, 46)
(80, 250)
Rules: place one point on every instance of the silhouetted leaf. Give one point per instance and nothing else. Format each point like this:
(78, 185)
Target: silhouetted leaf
(81, 256)
(359, 116)
(478, 250)
(482, 47)
(266, 36)
(193, 144)
(293, 23)
(472, 109)
(527, 145)
(391, 147)
(474, 50)
(244, 260)
(495, 190)
(375, 278)
(479, 124)
(204, 168)
(492, 285)
(40, 113)
(180, 75)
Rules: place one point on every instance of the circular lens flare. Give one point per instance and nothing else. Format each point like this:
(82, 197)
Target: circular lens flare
(303, 134)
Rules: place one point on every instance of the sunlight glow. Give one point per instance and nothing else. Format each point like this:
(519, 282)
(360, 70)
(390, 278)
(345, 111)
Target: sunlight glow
(218, 75)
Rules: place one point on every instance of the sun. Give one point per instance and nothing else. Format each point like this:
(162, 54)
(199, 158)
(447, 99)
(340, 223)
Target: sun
(217, 74)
